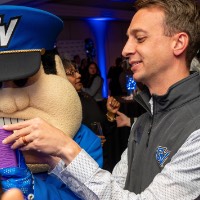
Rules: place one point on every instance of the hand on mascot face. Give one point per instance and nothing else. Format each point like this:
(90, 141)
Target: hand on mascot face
(42, 137)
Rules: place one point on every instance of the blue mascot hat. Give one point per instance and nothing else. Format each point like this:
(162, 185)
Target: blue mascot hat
(25, 34)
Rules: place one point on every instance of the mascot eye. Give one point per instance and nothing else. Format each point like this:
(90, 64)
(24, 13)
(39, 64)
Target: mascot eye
(21, 82)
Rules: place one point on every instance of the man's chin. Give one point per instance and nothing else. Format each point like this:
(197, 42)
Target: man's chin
(137, 77)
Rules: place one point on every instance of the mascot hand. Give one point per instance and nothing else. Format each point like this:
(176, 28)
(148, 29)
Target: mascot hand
(18, 177)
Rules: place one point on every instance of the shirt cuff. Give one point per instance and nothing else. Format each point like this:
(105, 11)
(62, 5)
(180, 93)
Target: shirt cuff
(75, 175)
(81, 168)
(57, 169)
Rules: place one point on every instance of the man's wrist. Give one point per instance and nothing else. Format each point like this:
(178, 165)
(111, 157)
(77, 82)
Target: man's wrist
(69, 152)
(52, 162)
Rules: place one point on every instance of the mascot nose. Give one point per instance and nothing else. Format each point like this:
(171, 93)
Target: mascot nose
(12, 98)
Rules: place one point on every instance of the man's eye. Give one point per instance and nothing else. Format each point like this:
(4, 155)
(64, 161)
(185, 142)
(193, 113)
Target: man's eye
(21, 82)
(141, 39)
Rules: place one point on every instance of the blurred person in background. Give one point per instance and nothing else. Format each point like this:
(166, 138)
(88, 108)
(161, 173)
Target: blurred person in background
(113, 76)
(90, 110)
(93, 83)
(77, 61)
(195, 64)
(126, 72)
(82, 68)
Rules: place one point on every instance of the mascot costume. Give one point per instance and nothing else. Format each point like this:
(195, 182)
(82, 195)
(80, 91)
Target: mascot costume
(34, 84)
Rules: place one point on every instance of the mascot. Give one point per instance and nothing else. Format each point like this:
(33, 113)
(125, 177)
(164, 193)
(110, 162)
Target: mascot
(34, 84)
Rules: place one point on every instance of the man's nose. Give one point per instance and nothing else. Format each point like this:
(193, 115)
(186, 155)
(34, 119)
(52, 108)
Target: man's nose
(129, 48)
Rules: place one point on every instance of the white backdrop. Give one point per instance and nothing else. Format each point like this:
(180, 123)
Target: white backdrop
(69, 48)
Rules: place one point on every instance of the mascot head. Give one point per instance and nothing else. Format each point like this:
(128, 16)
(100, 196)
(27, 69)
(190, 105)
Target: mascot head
(33, 82)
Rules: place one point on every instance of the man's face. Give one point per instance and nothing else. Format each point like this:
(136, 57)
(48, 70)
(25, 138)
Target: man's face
(148, 49)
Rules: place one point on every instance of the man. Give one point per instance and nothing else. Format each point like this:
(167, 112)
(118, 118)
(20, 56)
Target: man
(162, 160)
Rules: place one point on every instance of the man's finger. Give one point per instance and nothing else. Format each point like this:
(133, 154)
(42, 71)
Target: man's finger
(17, 126)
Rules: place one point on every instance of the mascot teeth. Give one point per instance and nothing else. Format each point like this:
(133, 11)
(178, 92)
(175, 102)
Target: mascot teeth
(5, 120)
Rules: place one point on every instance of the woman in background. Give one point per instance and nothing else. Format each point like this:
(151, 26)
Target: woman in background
(90, 110)
(93, 83)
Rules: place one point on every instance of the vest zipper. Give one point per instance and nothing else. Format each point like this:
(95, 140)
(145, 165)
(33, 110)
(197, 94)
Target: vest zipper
(140, 100)
(151, 125)
(149, 131)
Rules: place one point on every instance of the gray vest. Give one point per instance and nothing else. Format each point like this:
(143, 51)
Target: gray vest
(154, 139)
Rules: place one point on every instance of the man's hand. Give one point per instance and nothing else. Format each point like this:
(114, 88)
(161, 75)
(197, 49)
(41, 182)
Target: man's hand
(36, 134)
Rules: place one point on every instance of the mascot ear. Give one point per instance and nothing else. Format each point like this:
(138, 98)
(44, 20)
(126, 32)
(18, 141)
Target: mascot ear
(59, 67)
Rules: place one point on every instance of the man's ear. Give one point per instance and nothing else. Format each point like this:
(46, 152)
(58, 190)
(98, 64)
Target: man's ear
(180, 43)
(59, 67)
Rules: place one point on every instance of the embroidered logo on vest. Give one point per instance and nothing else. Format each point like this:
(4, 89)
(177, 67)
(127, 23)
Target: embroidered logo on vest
(161, 155)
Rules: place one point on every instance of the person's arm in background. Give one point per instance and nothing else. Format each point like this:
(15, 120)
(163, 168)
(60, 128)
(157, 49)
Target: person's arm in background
(122, 120)
(96, 84)
(113, 106)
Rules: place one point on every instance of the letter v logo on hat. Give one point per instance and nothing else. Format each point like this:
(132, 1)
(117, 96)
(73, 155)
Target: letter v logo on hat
(24, 34)
(6, 32)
